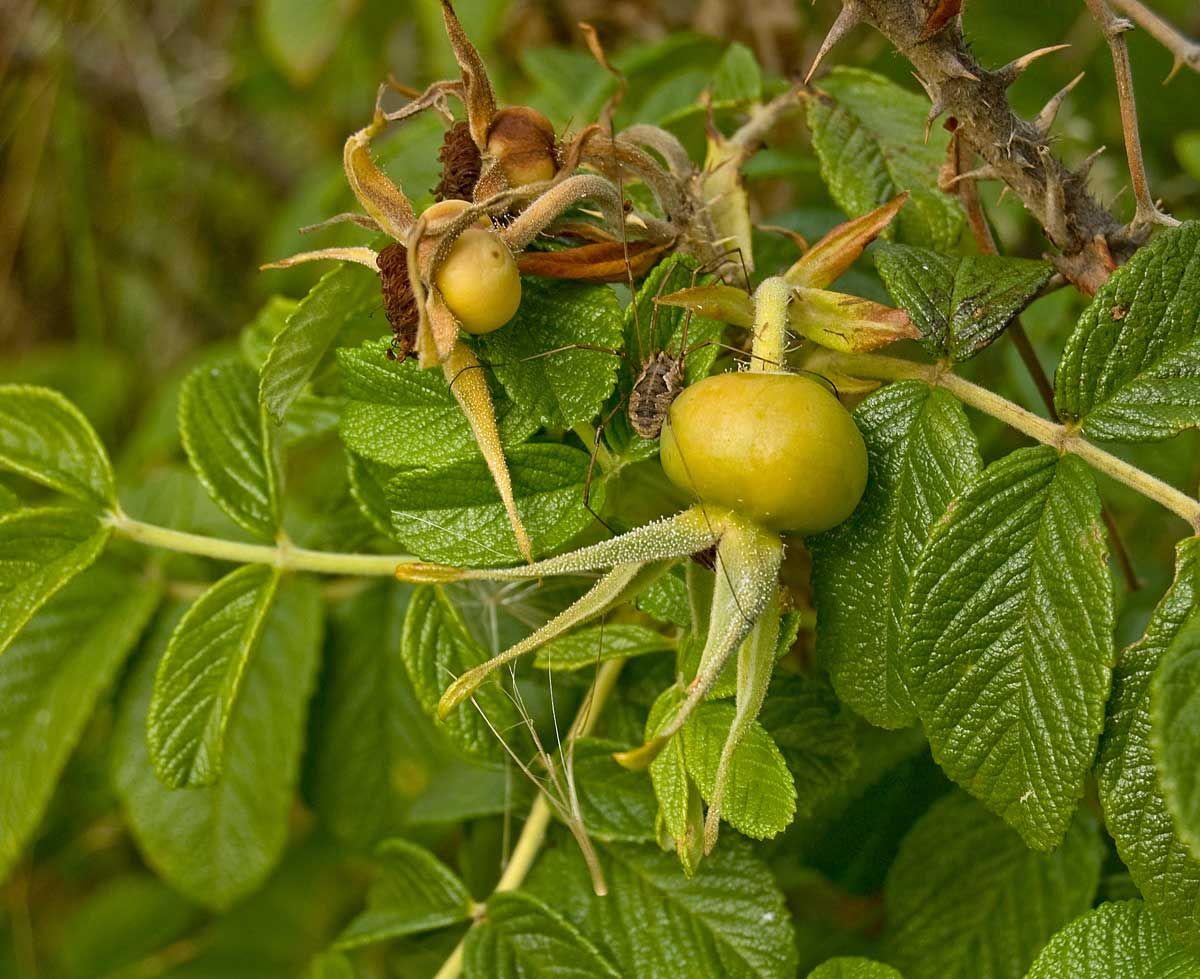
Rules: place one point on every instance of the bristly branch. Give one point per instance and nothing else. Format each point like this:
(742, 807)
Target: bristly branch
(1185, 50)
(1014, 150)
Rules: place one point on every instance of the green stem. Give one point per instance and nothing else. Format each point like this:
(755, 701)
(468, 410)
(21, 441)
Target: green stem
(1065, 438)
(281, 555)
(533, 834)
(770, 325)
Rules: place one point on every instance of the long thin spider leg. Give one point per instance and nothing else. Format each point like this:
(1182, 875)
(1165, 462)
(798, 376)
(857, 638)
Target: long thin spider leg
(612, 589)
(748, 560)
(694, 530)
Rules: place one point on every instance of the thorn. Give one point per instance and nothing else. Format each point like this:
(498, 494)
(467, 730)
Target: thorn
(1045, 119)
(950, 64)
(1056, 205)
(1014, 69)
(1082, 171)
(1003, 193)
(846, 21)
(985, 172)
(1179, 63)
(937, 107)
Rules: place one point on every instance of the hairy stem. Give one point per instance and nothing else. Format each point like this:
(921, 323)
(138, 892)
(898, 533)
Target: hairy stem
(1114, 29)
(281, 555)
(533, 834)
(1062, 437)
(1185, 50)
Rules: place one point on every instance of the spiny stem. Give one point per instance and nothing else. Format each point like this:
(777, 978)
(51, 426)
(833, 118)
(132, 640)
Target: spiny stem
(1061, 437)
(533, 834)
(282, 556)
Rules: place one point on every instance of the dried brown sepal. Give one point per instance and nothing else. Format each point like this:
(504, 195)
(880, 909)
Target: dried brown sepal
(477, 87)
(461, 164)
(606, 261)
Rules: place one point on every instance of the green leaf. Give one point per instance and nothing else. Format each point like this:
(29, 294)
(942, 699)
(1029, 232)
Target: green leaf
(201, 675)
(738, 77)
(1131, 369)
(217, 844)
(853, 968)
(730, 920)
(331, 965)
(46, 438)
(817, 737)
(965, 898)
(566, 387)
(436, 648)
(667, 601)
(680, 808)
(401, 416)
(960, 303)
(616, 803)
(414, 892)
(594, 644)
(50, 680)
(868, 135)
(760, 798)
(8, 500)
(1008, 639)
(1175, 730)
(257, 336)
(230, 444)
(372, 748)
(40, 551)
(922, 454)
(123, 922)
(310, 328)
(453, 514)
(300, 35)
(523, 937)
(1135, 811)
(1118, 940)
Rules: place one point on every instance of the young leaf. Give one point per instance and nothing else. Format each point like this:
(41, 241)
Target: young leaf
(922, 455)
(217, 844)
(46, 438)
(760, 798)
(40, 551)
(230, 444)
(436, 648)
(372, 746)
(1175, 730)
(201, 674)
(1118, 940)
(50, 680)
(667, 601)
(867, 133)
(960, 303)
(521, 936)
(738, 77)
(680, 808)
(401, 416)
(257, 336)
(817, 737)
(586, 647)
(1008, 639)
(965, 897)
(853, 968)
(569, 386)
(616, 803)
(1131, 369)
(309, 330)
(453, 514)
(1135, 811)
(414, 892)
(729, 920)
